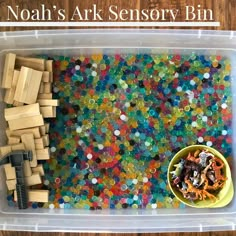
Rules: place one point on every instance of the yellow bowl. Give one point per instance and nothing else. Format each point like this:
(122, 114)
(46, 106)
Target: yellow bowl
(224, 196)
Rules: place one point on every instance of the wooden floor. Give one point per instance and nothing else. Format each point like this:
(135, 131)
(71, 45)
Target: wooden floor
(223, 10)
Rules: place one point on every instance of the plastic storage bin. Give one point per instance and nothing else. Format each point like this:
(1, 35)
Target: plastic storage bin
(71, 42)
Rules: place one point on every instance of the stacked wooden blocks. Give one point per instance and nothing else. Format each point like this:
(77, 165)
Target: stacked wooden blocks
(28, 90)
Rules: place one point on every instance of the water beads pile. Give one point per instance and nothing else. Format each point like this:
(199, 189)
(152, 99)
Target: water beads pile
(122, 118)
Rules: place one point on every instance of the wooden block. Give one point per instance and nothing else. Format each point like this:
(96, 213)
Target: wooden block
(46, 77)
(35, 195)
(46, 140)
(5, 150)
(47, 87)
(13, 140)
(9, 95)
(45, 96)
(43, 154)
(48, 102)
(47, 111)
(17, 104)
(38, 169)
(35, 131)
(49, 65)
(28, 84)
(54, 112)
(26, 122)
(20, 112)
(41, 88)
(28, 140)
(27, 168)
(39, 143)
(51, 77)
(47, 126)
(8, 70)
(18, 147)
(34, 179)
(33, 63)
(10, 171)
(42, 130)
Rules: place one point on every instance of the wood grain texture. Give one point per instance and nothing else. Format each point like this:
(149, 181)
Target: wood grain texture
(224, 11)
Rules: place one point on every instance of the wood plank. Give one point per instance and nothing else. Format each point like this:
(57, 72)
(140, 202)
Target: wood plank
(8, 70)
(41, 88)
(47, 111)
(49, 65)
(28, 85)
(5, 150)
(34, 179)
(42, 130)
(46, 140)
(48, 102)
(46, 77)
(33, 63)
(43, 154)
(47, 87)
(39, 143)
(47, 126)
(18, 147)
(13, 140)
(26, 122)
(27, 168)
(22, 83)
(10, 171)
(15, 113)
(28, 140)
(9, 95)
(35, 131)
(38, 169)
(44, 96)
(35, 195)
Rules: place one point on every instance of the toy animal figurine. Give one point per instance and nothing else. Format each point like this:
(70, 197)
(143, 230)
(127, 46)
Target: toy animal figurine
(178, 169)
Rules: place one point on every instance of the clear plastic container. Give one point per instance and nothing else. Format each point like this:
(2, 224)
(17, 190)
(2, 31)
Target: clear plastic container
(75, 42)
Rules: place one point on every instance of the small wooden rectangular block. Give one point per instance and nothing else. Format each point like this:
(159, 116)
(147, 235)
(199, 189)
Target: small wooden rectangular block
(47, 126)
(20, 112)
(27, 168)
(13, 140)
(39, 144)
(49, 65)
(34, 131)
(33, 63)
(35, 195)
(28, 140)
(26, 122)
(46, 77)
(46, 140)
(45, 96)
(38, 169)
(28, 84)
(42, 130)
(47, 111)
(8, 70)
(5, 150)
(10, 171)
(43, 154)
(34, 179)
(18, 147)
(41, 88)
(9, 95)
(48, 102)
(47, 87)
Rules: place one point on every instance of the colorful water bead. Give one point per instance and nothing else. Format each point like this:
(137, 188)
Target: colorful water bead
(121, 119)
